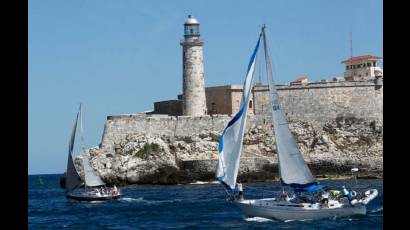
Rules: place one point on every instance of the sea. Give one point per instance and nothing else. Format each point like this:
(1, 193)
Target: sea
(200, 205)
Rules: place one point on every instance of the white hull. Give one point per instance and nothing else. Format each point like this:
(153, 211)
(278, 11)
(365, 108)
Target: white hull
(269, 208)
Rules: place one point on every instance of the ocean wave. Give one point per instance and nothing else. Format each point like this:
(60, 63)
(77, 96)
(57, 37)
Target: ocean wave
(204, 182)
(199, 182)
(129, 199)
(94, 201)
(141, 199)
(162, 201)
(380, 209)
(258, 219)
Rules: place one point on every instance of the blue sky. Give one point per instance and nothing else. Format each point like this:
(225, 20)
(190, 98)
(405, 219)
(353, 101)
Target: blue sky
(118, 57)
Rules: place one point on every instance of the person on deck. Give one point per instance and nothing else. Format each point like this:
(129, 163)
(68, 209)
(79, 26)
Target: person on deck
(350, 196)
(240, 191)
(97, 192)
(345, 192)
(335, 193)
(325, 197)
(114, 190)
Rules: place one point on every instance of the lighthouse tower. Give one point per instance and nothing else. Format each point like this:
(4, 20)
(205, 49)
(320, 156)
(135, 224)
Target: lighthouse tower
(193, 96)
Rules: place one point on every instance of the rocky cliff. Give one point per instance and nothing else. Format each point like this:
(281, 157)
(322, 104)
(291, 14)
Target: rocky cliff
(330, 150)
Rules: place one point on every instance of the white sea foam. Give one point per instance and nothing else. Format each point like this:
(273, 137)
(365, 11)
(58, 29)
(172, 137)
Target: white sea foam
(199, 182)
(258, 219)
(205, 182)
(95, 201)
(129, 199)
(141, 199)
(162, 201)
(376, 210)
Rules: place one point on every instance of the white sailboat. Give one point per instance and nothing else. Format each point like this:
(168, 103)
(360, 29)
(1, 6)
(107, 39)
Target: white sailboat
(293, 171)
(94, 188)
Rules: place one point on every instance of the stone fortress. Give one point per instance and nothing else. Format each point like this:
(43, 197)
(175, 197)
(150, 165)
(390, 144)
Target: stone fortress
(332, 120)
(359, 93)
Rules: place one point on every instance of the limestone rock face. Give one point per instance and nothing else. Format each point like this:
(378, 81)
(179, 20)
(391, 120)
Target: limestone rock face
(329, 149)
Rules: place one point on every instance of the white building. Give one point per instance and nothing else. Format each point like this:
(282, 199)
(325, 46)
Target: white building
(362, 68)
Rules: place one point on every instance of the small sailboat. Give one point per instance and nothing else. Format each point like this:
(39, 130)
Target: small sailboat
(92, 188)
(310, 199)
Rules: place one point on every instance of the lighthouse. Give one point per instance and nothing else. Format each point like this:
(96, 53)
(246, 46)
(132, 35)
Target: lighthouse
(193, 83)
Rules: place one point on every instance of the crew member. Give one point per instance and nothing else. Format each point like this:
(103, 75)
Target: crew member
(240, 191)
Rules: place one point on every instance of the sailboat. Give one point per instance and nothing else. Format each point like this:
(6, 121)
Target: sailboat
(92, 188)
(304, 201)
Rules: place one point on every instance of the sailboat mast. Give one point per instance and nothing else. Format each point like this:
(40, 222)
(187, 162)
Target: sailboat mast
(270, 82)
(81, 129)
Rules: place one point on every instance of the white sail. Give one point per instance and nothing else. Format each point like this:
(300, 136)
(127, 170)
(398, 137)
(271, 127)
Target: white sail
(292, 167)
(91, 179)
(73, 180)
(230, 144)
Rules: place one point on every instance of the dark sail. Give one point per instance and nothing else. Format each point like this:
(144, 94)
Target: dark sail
(73, 180)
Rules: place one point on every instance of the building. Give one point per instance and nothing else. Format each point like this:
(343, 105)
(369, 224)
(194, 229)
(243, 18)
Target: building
(225, 99)
(362, 68)
(299, 81)
(361, 89)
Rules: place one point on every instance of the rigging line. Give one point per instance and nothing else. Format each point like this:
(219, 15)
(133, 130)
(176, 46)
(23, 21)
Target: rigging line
(267, 56)
(81, 129)
(274, 67)
(268, 66)
(255, 67)
(260, 66)
(272, 58)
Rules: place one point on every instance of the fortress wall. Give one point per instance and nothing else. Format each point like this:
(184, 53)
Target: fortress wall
(320, 102)
(315, 103)
(117, 127)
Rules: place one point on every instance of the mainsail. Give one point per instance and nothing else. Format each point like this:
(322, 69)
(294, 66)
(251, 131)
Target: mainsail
(292, 167)
(230, 143)
(73, 180)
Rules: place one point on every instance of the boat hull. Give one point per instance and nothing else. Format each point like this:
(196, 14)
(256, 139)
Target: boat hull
(277, 210)
(86, 197)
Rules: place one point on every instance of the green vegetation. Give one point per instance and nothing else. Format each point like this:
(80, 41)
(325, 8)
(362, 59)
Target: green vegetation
(146, 150)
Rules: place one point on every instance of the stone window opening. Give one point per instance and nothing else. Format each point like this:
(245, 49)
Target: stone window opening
(250, 104)
(213, 108)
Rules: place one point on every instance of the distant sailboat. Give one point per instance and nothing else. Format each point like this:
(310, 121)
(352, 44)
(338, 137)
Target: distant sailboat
(94, 188)
(293, 170)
